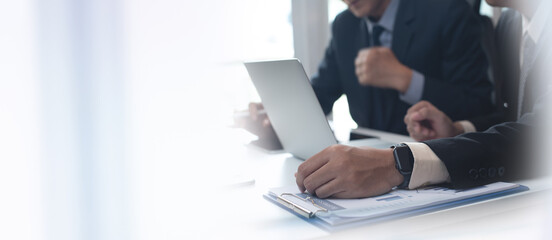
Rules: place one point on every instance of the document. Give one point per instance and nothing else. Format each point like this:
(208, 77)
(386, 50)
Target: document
(343, 211)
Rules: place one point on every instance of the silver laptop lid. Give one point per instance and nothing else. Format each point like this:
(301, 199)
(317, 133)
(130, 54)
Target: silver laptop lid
(292, 106)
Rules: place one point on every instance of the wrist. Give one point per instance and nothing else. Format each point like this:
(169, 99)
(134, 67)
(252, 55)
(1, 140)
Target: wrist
(404, 79)
(457, 128)
(398, 178)
(404, 163)
(395, 177)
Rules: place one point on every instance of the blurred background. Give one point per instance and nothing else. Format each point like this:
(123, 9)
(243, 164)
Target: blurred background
(112, 112)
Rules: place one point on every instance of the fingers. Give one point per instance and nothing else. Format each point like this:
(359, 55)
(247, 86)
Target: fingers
(308, 167)
(424, 121)
(329, 189)
(418, 106)
(420, 115)
(266, 121)
(366, 64)
(423, 113)
(413, 119)
(362, 56)
(417, 113)
(420, 131)
(427, 122)
(360, 73)
(319, 178)
(359, 59)
(360, 66)
(426, 113)
(254, 109)
(415, 132)
(413, 116)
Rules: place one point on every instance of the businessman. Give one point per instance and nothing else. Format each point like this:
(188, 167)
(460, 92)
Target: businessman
(386, 55)
(467, 160)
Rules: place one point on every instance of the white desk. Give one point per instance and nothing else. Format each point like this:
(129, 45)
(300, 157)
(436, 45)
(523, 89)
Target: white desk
(245, 214)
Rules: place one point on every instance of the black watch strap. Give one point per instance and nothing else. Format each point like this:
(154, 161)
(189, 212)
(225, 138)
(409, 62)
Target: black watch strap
(404, 162)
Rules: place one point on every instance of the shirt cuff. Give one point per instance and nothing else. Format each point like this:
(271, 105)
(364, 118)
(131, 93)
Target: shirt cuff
(467, 126)
(428, 168)
(414, 92)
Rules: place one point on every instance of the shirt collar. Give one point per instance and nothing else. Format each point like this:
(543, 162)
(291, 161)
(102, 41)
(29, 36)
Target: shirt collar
(387, 20)
(535, 26)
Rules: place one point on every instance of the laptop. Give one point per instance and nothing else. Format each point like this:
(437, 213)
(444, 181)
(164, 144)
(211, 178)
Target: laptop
(294, 110)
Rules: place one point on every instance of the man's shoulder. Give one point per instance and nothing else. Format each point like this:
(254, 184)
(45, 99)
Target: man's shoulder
(346, 18)
(345, 25)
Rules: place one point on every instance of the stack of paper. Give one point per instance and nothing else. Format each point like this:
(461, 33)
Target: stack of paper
(342, 211)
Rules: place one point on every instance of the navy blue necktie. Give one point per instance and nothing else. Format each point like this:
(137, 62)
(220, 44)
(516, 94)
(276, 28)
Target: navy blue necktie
(376, 33)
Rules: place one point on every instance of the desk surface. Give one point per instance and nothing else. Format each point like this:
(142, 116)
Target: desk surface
(245, 214)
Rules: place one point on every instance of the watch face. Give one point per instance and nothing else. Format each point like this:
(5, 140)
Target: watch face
(404, 158)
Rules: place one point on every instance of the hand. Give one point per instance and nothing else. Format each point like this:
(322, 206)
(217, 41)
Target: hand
(349, 172)
(379, 67)
(255, 121)
(424, 122)
(256, 115)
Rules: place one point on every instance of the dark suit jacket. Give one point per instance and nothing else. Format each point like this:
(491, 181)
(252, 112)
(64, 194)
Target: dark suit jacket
(507, 40)
(438, 38)
(503, 152)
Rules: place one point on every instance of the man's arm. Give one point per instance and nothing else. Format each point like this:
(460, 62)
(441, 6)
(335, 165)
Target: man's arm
(482, 123)
(465, 161)
(471, 159)
(468, 160)
(479, 158)
(504, 152)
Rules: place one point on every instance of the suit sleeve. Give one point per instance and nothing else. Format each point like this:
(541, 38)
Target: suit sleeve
(504, 152)
(483, 123)
(479, 158)
(326, 83)
(465, 90)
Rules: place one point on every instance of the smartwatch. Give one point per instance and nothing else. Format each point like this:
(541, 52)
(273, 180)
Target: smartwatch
(404, 162)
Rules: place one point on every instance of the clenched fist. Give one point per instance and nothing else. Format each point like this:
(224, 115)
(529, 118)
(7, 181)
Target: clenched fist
(379, 67)
(424, 122)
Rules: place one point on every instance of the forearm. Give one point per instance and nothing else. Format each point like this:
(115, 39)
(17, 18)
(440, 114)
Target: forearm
(428, 168)
(412, 88)
(484, 122)
(479, 158)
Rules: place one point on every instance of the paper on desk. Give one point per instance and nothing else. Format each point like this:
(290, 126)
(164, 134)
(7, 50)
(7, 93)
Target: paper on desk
(397, 201)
